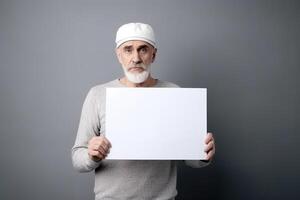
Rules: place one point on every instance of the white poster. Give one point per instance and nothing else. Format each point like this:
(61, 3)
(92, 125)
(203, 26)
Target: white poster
(156, 123)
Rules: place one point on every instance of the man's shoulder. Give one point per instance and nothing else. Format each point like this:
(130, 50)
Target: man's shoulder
(100, 89)
(103, 86)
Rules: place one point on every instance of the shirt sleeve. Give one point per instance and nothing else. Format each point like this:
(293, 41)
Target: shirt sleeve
(88, 127)
(196, 163)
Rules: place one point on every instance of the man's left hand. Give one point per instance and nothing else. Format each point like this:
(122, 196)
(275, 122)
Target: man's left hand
(210, 148)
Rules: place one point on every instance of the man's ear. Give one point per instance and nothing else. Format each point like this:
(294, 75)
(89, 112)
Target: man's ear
(117, 50)
(154, 55)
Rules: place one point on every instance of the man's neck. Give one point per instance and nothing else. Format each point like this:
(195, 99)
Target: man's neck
(150, 82)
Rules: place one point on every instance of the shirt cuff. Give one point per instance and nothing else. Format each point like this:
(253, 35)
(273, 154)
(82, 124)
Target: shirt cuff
(91, 163)
(197, 163)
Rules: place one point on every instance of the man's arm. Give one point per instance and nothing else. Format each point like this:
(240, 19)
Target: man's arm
(88, 128)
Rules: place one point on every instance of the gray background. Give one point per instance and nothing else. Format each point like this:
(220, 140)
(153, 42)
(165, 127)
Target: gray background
(245, 52)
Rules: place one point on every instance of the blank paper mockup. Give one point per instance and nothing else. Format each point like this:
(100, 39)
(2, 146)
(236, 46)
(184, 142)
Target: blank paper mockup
(156, 123)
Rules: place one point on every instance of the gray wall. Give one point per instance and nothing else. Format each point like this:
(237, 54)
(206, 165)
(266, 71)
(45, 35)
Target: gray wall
(245, 52)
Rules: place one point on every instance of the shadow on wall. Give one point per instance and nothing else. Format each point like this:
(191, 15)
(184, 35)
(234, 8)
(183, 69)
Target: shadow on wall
(226, 177)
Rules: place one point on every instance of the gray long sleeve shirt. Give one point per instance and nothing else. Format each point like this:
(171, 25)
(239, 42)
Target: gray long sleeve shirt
(121, 179)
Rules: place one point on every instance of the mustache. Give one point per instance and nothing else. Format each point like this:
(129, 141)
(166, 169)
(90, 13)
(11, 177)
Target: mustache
(141, 65)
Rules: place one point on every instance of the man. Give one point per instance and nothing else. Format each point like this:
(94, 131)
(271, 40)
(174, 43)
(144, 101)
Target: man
(126, 179)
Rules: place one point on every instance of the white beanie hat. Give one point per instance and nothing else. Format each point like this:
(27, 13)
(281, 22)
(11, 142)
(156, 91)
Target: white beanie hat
(135, 31)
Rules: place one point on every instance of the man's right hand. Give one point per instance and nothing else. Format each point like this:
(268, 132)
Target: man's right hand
(98, 148)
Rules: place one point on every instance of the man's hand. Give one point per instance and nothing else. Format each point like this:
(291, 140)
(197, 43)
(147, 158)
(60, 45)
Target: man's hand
(210, 146)
(98, 148)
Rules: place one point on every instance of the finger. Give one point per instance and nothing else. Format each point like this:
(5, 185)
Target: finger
(103, 147)
(106, 149)
(101, 140)
(94, 143)
(107, 142)
(210, 155)
(208, 138)
(96, 147)
(209, 146)
(92, 146)
(96, 154)
(100, 147)
(102, 150)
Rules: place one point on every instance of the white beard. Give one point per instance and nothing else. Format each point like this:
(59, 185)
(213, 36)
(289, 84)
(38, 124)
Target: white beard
(138, 77)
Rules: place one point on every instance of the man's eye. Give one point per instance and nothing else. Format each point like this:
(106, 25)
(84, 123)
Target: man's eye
(127, 50)
(143, 50)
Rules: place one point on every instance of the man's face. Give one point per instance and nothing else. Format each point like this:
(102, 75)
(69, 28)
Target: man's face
(136, 57)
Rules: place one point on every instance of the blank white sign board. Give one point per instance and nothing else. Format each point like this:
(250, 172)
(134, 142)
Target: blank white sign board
(156, 123)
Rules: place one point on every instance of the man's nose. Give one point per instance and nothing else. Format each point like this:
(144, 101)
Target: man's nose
(136, 59)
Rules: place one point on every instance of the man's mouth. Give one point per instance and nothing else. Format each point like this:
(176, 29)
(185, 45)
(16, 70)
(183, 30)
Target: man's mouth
(136, 69)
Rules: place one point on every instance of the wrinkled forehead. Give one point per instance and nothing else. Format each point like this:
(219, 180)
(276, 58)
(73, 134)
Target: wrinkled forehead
(135, 44)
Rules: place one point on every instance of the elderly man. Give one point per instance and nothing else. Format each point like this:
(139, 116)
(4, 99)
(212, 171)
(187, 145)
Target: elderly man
(126, 179)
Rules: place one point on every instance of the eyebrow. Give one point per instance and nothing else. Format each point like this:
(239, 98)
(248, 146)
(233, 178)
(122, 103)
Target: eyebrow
(142, 46)
(127, 47)
(139, 48)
